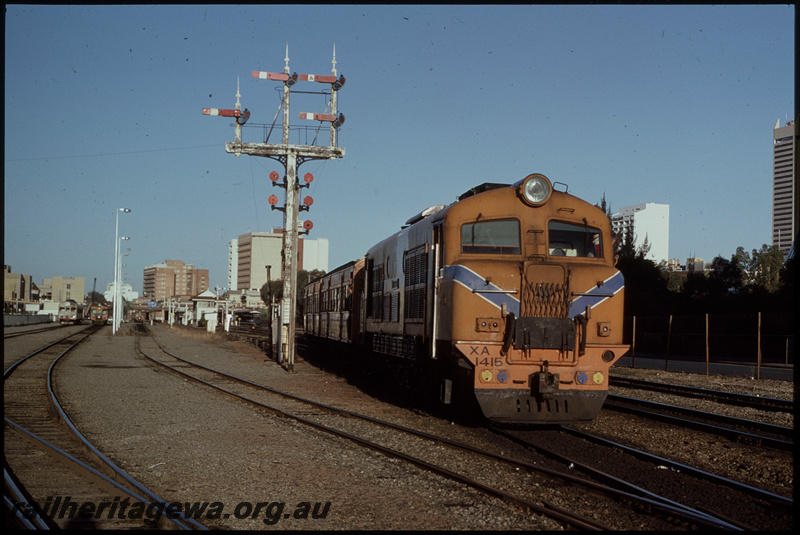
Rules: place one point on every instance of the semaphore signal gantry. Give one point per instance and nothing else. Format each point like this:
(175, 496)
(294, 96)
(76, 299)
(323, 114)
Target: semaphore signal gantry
(291, 157)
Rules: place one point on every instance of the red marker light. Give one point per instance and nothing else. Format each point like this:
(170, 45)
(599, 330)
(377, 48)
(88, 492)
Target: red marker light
(308, 201)
(308, 225)
(308, 177)
(274, 176)
(273, 200)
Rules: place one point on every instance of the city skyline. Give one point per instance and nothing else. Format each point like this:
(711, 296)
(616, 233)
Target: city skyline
(666, 104)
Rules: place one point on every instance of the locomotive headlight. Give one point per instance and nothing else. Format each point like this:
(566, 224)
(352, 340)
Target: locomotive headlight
(535, 189)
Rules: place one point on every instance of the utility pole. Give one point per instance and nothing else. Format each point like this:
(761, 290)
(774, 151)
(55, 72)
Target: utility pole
(291, 157)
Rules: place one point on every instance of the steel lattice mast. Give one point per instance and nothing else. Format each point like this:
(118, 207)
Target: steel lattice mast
(291, 156)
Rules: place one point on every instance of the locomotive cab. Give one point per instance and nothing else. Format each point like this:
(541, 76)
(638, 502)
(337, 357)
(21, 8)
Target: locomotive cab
(534, 303)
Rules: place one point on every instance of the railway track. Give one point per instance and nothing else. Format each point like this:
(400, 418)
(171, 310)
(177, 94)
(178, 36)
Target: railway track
(742, 400)
(38, 330)
(642, 473)
(513, 480)
(54, 477)
(737, 429)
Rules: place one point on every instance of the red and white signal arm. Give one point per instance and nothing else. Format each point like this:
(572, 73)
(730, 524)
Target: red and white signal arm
(308, 225)
(308, 201)
(273, 200)
(274, 176)
(308, 177)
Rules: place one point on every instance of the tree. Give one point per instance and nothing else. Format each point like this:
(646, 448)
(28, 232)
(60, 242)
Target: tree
(729, 273)
(303, 278)
(96, 297)
(767, 267)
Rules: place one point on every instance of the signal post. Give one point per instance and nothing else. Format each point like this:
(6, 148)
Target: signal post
(291, 157)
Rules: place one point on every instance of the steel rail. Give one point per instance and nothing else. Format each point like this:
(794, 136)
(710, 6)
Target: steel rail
(98, 476)
(190, 523)
(618, 483)
(549, 512)
(748, 400)
(618, 403)
(767, 496)
(180, 521)
(8, 371)
(681, 511)
(31, 331)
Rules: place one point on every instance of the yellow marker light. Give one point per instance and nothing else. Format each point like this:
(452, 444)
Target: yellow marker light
(486, 376)
(598, 378)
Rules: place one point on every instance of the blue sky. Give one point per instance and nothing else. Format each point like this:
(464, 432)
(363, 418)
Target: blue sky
(664, 104)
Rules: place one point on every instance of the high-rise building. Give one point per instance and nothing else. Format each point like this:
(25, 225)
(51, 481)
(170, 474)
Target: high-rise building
(646, 221)
(250, 254)
(233, 264)
(783, 184)
(173, 278)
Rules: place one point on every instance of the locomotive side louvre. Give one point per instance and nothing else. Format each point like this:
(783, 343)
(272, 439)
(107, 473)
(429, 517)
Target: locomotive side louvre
(399, 292)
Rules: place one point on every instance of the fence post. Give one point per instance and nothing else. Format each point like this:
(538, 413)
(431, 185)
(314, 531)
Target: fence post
(758, 364)
(633, 345)
(669, 334)
(707, 352)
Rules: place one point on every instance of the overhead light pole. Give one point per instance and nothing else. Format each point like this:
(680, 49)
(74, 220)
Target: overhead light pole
(118, 289)
(115, 324)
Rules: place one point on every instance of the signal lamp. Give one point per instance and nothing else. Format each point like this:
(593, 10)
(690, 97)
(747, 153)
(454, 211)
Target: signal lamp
(535, 189)
(243, 117)
(608, 355)
(292, 80)
(339, 121)
(337, 85)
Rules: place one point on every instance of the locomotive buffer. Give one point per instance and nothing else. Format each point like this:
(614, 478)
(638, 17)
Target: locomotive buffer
(291, 157)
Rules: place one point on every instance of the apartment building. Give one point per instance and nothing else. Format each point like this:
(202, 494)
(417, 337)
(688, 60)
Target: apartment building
(174, 278)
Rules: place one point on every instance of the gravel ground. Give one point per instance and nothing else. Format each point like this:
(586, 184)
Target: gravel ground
(190, 445)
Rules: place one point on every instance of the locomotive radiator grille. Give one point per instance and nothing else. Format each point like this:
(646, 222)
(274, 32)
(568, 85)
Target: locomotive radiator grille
(545, 300)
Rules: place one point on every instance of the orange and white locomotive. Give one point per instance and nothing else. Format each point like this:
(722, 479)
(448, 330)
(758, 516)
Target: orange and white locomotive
(509, 294)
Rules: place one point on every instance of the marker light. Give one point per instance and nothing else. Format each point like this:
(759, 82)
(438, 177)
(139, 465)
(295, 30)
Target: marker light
(486, 376)
(598, 378)
(581, 378)
(535, 189)
(502, 376)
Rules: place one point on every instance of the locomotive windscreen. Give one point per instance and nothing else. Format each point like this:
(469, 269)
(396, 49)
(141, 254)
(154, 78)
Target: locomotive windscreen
(491, 237)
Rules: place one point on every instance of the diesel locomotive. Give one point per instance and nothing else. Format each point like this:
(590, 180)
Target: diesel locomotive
(508, 296)
(98, 314)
